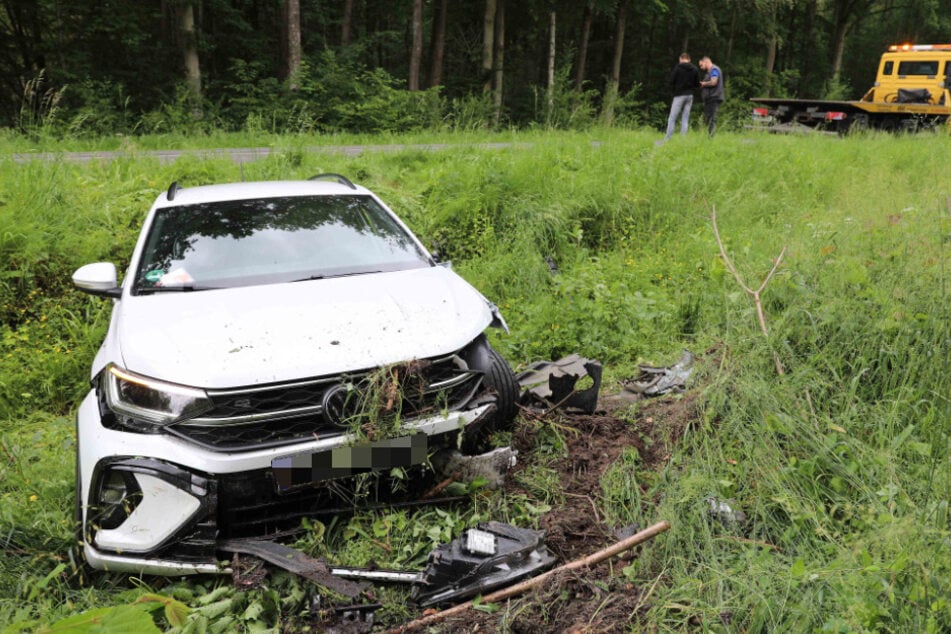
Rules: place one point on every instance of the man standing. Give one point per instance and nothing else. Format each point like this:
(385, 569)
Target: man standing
(712, 91)
(684, 80)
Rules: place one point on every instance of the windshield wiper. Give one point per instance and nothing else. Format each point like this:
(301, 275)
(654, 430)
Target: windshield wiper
(309, 278)
(353, 273)
(183, 288)
(326, 277)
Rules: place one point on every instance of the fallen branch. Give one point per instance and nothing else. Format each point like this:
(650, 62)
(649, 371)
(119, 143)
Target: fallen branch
(519, 588)
(756, 295)
(12, 458)
(440, 486)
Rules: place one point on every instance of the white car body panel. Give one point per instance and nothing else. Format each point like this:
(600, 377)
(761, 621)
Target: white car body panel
(163, 510)
(264, 334)
(245, 336)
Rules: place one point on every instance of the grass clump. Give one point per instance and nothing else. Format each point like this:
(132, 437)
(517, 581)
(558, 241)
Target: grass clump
(596, 243)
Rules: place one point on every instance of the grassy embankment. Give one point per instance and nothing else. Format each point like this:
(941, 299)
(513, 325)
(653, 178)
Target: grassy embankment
(841, 464)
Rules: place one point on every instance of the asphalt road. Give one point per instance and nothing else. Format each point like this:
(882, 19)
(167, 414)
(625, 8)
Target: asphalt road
(243, 155)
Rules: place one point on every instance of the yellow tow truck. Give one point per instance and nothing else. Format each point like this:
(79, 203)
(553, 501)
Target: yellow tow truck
(911, 93)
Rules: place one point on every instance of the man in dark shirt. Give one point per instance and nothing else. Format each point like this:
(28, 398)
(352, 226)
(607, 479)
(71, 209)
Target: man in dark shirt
(712, 91)
(684, 80)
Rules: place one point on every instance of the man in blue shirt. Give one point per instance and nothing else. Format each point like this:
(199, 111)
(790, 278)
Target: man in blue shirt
(712, 91)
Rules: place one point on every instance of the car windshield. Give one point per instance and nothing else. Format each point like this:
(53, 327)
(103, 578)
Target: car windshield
(272, 240)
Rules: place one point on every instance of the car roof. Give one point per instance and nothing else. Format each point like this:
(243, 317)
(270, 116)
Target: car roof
(176, 196)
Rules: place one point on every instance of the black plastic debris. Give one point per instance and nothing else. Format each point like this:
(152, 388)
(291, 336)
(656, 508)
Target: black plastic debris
(490, 556)
(654, 381)
(293, 561)
(553, 383)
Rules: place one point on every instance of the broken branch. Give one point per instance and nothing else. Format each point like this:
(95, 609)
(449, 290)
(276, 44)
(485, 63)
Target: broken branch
(519, 588)
(756, 295)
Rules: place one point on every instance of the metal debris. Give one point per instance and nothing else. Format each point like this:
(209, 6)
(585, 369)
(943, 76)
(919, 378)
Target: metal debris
(553, 383)
(491, 466)
(656, 381)
(293, 561)
(725, 513)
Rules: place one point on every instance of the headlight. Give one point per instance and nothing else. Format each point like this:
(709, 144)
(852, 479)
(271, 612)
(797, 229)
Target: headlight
(152, 402)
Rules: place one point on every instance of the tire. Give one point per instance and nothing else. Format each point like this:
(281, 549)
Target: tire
(497, 376)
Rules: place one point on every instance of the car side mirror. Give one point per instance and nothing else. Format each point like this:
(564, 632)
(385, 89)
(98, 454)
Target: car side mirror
(438, 259)
(446, 264)
(98, 279)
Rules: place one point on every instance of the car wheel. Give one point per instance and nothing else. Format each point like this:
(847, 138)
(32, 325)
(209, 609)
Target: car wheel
(498, 377)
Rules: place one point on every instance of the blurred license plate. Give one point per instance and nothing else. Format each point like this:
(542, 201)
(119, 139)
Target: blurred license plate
(340, 462)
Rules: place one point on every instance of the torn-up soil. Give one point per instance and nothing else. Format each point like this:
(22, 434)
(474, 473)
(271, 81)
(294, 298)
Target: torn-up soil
(599, 600)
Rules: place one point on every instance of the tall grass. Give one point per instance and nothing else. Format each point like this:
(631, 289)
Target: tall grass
(600, 243)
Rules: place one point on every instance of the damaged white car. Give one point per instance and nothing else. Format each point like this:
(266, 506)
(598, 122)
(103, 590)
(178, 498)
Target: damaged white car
(250, 316)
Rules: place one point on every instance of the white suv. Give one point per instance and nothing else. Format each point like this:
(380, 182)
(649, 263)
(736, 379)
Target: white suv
(222, 397)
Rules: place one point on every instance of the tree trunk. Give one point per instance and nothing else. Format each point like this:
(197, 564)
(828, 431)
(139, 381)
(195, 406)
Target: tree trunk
(346, 24)
(583, 46)
(610, 96)
(186, 24)
(499, 60)
(438, 44)
(771, 63)
(729, 43)
(838, 48)
(416, 50)
(550, 92)
(28, 40)
(291, 42)
(488, 44)
(807, 37)
(846, 16)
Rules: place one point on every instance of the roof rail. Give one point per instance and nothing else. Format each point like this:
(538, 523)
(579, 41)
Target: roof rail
(343, 180)
(173, 189)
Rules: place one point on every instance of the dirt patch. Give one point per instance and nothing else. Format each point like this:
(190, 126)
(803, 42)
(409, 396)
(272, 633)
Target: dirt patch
(600, 600)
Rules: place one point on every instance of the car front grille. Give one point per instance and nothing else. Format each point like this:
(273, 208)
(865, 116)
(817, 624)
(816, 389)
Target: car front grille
(249, 504)
(278, 414)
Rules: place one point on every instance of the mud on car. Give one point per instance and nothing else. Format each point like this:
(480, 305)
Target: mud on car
(242, 339)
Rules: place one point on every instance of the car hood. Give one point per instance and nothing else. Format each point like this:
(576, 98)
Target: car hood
(280, 332)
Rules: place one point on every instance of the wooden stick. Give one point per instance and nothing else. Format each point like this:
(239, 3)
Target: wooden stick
(756, 295)
(528, 584)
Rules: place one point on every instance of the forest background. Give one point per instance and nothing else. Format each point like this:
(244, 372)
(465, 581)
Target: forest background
(83, 69)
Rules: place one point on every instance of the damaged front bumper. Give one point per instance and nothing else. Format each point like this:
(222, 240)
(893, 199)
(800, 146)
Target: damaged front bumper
(166, 513)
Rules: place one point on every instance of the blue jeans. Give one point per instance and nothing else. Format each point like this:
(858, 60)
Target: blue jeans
(681, 105)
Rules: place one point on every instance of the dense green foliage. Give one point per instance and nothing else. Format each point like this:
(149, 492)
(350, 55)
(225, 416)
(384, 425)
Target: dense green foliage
(840, 465)
(80, 69)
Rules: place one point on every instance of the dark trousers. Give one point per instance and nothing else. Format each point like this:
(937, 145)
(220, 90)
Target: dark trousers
(710, 107)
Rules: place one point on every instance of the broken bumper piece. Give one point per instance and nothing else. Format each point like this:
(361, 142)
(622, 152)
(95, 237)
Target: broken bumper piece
(489, 556)
(554, 383)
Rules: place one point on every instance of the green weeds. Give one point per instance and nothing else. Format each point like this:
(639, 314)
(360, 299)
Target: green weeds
(605, 249)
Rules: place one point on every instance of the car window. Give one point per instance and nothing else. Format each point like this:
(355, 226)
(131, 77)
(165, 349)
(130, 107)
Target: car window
(271, 240)
(918, 68)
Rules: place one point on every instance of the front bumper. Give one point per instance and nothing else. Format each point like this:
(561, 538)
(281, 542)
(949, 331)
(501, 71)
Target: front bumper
(184, 498)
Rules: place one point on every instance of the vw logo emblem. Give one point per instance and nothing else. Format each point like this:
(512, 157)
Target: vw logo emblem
(339, 404)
